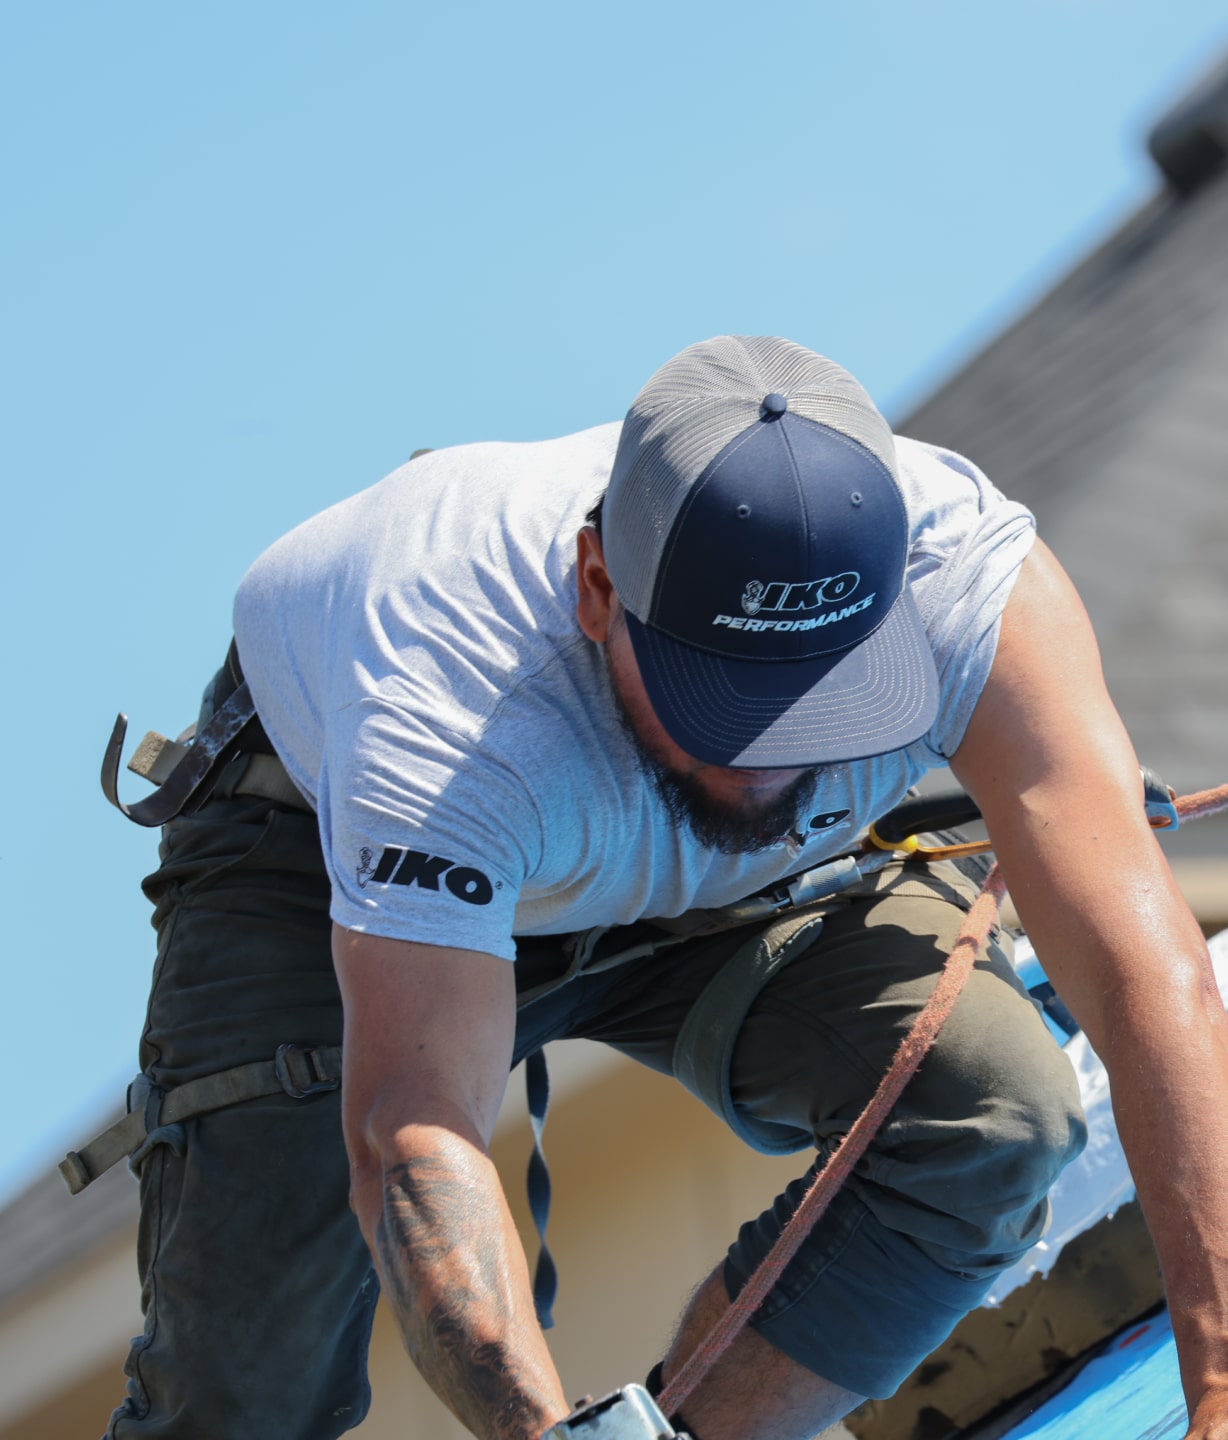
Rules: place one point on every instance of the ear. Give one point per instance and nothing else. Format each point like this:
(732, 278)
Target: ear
(595, 598)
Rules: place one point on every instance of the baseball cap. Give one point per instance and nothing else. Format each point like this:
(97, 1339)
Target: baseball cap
(755, 531)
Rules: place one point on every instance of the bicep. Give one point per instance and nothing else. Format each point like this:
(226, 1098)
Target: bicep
(428, 1038)
(1045, 722)
(1049, 762)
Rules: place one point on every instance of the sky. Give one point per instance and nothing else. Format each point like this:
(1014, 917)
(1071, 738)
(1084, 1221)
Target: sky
(257, 254)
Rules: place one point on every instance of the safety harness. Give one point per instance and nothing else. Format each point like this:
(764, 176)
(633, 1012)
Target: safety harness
(295, 1070)
(230, 741)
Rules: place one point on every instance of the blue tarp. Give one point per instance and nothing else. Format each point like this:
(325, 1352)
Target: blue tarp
(1131, 1391)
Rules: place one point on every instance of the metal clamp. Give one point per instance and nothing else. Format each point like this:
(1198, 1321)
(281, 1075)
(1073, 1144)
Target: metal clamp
(626, 1414)
(297, 1056)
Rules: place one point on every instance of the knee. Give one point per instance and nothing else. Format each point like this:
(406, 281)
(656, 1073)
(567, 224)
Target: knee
(984, 1129)
(996, 1068)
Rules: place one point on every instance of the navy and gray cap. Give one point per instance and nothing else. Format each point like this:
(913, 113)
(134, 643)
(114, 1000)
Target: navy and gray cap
(755, 532)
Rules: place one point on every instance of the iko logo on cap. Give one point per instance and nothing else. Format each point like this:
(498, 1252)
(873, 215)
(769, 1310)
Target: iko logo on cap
(799, 595)
(784, 597)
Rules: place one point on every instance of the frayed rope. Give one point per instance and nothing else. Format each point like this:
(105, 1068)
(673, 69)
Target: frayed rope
(912, 1050)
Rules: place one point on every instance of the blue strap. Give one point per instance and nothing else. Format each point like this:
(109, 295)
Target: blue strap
(546, 1275)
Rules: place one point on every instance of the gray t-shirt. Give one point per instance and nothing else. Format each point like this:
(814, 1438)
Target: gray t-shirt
(416, 660)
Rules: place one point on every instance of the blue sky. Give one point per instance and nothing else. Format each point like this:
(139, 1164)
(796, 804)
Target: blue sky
(256, 254)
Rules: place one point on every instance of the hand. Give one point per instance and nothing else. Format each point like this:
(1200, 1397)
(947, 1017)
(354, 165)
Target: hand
(1210, 1420)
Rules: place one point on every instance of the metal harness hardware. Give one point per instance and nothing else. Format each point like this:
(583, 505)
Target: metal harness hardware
(627, 1414)
(291, 1057)
(191, 781)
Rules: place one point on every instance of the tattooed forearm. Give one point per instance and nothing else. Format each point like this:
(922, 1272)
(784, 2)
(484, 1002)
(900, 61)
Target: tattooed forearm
(425, 1207)
(494, 1391)
(443, 1249)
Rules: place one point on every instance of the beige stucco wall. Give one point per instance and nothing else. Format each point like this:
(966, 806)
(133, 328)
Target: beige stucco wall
(63, 1344)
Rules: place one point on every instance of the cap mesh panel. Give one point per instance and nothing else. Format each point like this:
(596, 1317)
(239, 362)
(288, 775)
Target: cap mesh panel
(688, 412)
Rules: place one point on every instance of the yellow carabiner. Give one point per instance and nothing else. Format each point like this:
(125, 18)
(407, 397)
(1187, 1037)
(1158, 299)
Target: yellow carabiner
(909, 845)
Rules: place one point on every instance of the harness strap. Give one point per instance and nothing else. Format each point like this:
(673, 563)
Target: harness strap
(295, 1070)
(912, 1050)
(188, 773)
(545, 1273)
(703, 1051)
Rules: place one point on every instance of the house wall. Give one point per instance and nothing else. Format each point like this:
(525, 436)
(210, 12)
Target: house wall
(62, 1346)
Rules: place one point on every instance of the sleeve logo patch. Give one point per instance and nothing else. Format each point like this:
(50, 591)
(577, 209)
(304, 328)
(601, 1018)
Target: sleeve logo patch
(416, 867)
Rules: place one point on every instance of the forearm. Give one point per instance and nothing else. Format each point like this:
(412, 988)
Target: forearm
(1138, 979)
(1051, 767)
(455, 1275)
(418, 1115)
(1175, 1134)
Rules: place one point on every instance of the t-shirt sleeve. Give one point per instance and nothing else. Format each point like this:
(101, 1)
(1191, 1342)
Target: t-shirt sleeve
(424, 838)
(963, 568)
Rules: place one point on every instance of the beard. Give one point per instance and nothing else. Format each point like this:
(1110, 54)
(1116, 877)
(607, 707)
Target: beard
(728, 828)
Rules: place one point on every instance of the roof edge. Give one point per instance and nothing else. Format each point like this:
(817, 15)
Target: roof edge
(1190, 144)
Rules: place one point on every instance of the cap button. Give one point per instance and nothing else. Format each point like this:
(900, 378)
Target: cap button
(773, 405)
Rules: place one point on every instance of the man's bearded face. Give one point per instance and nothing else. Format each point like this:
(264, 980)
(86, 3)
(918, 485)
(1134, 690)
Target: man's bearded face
(738, 822)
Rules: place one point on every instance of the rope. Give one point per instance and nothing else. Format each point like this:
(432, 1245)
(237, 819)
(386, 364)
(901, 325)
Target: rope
(912, 1050)
(903, 1067)
(1202, 803)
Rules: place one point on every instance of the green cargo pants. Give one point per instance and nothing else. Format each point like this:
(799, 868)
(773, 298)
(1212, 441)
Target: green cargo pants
(257, 1288)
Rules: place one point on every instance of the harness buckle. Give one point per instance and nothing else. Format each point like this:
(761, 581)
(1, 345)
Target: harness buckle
(299, 1072)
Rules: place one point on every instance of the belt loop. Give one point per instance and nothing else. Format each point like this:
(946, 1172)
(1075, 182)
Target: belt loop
(148, 1095)
(145, 1093)
(173, 1135)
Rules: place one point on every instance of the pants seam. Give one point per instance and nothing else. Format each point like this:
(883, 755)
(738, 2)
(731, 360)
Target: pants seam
(141, 1411)
(164, 948)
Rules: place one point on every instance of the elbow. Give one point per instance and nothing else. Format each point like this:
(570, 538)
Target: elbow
(1181, 1005)
(369, 1159)
(383, 1138)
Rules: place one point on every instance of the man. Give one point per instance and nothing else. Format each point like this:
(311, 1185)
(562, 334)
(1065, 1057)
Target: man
(526, 727)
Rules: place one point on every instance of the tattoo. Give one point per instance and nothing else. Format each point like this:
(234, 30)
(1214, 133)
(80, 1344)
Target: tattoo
(442, 1255)
(490, 1379)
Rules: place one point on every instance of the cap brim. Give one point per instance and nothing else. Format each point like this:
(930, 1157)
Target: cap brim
(879, 696)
